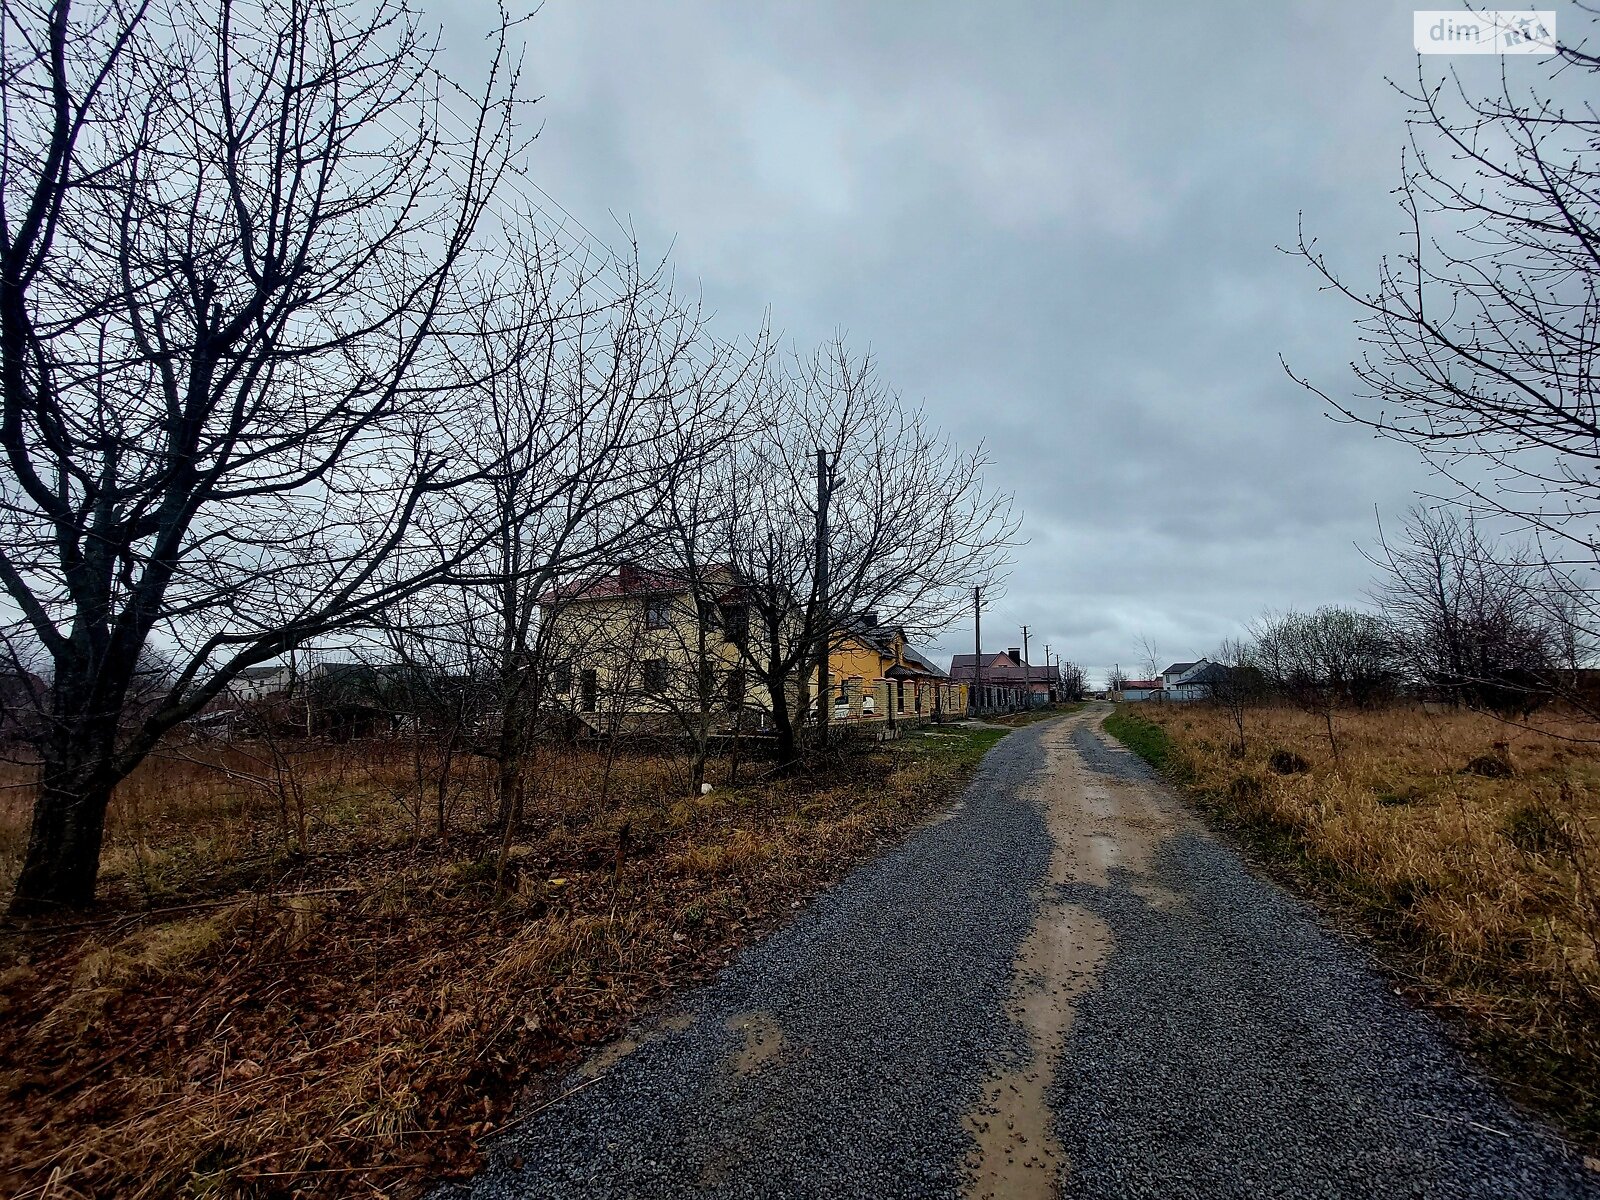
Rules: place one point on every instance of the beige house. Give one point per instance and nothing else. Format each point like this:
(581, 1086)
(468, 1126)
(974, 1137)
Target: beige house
(636, 650)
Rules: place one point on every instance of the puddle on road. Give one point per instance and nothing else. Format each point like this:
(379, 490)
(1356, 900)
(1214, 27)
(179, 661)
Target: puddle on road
(603, 1059)
(763, 1041)
(1017, 1154)
(1096, 824)
(947, 814)
(608, 1056)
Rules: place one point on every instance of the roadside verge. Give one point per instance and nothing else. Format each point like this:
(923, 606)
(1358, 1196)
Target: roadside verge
(1475, 887)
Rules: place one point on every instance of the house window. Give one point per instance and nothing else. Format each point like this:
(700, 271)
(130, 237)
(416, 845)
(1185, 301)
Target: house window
(589, 688)
(736, 689)
(655, 613)
(561, 678)
(655, 676)
(736, 623)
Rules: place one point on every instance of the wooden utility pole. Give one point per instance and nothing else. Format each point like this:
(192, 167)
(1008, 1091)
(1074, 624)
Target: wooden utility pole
(977, 649)
(1027, 681)
(824, 692)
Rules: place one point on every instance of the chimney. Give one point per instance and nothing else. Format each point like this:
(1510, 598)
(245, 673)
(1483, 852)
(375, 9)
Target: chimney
(1015, 655)
(627, 576)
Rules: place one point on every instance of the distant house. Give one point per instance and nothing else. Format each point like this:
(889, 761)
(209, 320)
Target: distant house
(1179, 682)
(1200, 681)
(1002, 682)
(638, 649)
(874, 672)
(1173, 674)
(260, 682)
(1143, 689)
(357, 699)
(341, 699)
(1192, 680)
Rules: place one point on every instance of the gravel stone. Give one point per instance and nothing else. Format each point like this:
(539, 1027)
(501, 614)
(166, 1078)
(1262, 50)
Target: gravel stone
(1231, 1046)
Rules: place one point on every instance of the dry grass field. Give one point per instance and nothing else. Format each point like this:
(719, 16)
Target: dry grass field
(293, 986)
(1470, 847)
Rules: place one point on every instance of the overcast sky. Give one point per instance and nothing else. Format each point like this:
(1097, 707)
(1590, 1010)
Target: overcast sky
(1055, 225)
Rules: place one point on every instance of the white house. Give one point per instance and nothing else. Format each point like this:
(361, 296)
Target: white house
(1193, 680)
(1180, 681)
(255, 683)
(1177, 673)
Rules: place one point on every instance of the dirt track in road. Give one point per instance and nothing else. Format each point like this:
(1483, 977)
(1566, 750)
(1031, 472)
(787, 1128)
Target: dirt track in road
(1067, 987)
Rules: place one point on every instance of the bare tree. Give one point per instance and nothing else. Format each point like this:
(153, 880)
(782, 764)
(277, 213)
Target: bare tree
(443, 694)
(1326, 660)
(597, 386)
(1073, 680)
(705, 688)
(1235, 681)
(1117, 679)
(913, 524)
(234, 247)
(1483, 333)
(1152, 658)
(687, 544)
(1470, 617)
(620, 394)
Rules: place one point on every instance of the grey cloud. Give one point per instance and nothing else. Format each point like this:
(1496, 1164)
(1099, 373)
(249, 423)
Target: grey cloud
(1056, 225)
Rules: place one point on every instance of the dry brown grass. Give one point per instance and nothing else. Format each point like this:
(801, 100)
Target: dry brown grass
(1485, 883)
(241, 1018)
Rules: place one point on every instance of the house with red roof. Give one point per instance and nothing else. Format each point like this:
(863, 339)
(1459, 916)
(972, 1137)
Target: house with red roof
(1003, 682)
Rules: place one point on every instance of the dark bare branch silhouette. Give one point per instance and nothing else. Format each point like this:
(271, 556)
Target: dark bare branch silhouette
(235, 245)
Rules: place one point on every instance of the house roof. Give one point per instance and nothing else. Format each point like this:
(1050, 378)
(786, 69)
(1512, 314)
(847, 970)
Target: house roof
(1180, 668)
(866, 628)
(265, 671)
(641, 582)
(629, 580)
(1146, 684)
(923, 664)
(1003, 671)
(999, 658)
(1209, 673)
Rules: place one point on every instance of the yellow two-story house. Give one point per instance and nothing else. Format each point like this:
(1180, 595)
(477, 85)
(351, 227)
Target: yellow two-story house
(874, 673)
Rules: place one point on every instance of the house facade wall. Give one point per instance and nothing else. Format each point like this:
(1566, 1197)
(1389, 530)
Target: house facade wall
(634, 660)
(852, 659)
(1181, 685)
(631, 661)
(861, 670)
(1003, 686)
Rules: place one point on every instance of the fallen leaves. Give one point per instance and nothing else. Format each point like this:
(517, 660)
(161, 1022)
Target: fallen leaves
(393, 1009)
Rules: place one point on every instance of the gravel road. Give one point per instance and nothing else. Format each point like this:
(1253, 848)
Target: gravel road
(1065, 987)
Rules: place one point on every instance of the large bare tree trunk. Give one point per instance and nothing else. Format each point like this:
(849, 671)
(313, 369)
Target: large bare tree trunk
(783, 725)
(199, 186)
(63, 856)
